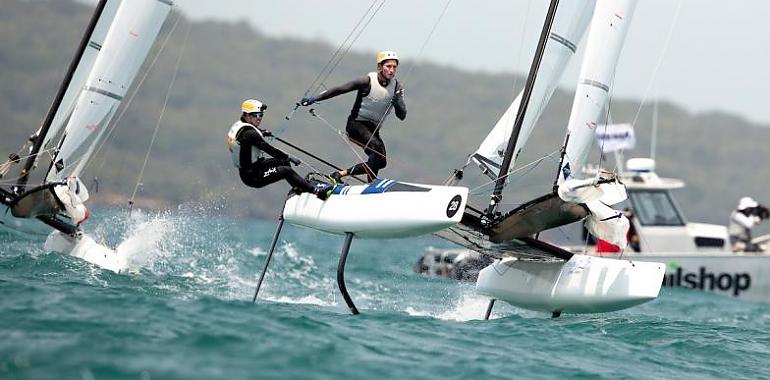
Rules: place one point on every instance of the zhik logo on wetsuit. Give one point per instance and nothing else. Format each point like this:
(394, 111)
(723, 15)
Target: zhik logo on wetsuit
(270, 171)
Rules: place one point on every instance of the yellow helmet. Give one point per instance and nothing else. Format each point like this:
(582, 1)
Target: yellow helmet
(386, 55)
(252, 105)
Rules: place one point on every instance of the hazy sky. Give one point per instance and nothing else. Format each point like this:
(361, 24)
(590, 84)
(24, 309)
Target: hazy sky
(717, 59)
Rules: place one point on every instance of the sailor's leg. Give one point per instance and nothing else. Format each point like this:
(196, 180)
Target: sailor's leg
(295, 180)
(272, 170)
(341, 272)
(361, 133)
(377, 155)
(269, 256)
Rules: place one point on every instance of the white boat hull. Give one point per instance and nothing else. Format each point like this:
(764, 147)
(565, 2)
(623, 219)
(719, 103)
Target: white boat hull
(584, 284)
(84, 247)
(382, 209)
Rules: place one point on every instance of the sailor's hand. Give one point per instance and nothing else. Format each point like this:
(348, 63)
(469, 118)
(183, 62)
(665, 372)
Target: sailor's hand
(398, 96)
(293, 160)
(267, 133)
(306, 101)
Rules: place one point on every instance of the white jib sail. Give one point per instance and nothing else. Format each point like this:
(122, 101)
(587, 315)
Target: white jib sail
(135, 26)
(84, 66)
(605, 42)
(572, 19)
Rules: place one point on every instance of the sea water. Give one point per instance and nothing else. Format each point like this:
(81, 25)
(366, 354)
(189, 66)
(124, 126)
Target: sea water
(185, 312)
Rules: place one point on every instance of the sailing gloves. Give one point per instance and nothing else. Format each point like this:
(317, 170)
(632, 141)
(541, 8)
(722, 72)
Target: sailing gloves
(293, 161)
(306, 101)
(398, 96)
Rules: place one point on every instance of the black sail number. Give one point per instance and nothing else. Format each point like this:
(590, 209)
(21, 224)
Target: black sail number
(454, 206)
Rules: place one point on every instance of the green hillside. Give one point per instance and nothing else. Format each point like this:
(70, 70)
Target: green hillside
(720, 156)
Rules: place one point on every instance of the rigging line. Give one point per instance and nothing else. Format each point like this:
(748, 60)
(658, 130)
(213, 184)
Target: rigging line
(348, 141)
(314, 169)
(523, 33)
(534, 164)
(160, 118)
(411, 67)
(427, 39)
(343, 136)
(606, 122)
(659, 63)
(350, 45)
(339, 58)
(130, 100)
(514, 93)
(339, 48)
(20, 158)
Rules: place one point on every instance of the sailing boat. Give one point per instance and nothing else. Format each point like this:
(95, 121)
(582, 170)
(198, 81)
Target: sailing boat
(530, 273)
(114, 46)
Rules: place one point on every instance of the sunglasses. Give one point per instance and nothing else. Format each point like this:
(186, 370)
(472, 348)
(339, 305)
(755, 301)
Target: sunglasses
(257, 114)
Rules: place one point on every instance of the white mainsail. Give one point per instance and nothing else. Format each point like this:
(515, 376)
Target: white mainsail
(82, 71)
(534, 274)
(568, 28)
(605, 42)
(134, 28)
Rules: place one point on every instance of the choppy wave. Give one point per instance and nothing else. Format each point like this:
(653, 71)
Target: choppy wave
(186, 312)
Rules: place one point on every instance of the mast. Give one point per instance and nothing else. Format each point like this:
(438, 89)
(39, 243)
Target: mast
(40, 135)
(654, 139)
(509, 150)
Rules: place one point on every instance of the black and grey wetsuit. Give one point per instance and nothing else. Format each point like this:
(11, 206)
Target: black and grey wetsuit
(257, 171)
(369, 110)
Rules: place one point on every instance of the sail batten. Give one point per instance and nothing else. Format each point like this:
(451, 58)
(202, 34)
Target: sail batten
(104, 14)
(127, 42)
(604, 45)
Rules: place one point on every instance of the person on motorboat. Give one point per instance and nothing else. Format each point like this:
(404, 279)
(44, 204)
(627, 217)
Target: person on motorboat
(377, 93)
(249, 151)
(748, 214)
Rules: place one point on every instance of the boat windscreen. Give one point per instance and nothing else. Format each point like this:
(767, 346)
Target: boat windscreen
(655, 208)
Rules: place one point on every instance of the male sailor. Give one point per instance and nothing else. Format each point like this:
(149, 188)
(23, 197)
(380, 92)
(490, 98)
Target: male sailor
(377, 93)
(748, 214)
(247, 145)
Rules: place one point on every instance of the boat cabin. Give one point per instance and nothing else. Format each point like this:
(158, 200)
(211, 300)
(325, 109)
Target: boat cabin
(658, 220)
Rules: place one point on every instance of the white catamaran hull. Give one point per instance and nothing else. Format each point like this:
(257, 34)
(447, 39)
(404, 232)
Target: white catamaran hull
(382, 209)
(584, 284)
(86, 248)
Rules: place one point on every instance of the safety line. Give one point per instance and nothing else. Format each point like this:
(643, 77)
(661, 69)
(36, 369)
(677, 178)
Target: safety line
(160, 118)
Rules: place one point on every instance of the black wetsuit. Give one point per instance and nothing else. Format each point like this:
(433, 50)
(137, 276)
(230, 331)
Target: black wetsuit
(363, 132)
(266, 170)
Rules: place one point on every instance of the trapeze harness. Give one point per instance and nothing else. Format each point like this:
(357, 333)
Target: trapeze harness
(369, 110)
(248, 149)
